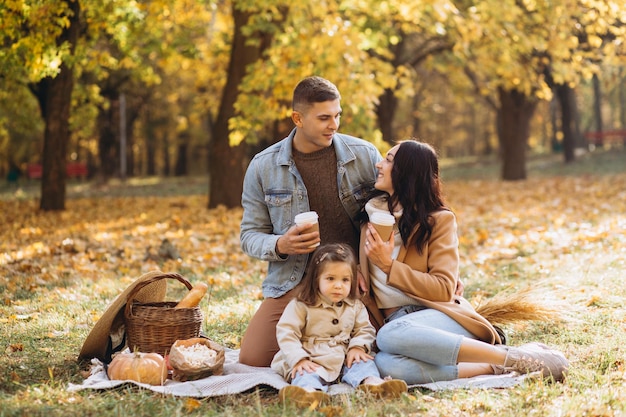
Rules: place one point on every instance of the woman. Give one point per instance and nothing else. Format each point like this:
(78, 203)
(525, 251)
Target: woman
(427, 332)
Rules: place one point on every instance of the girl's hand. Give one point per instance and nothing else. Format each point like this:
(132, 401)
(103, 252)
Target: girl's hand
(357, 355)
(303, 366)
(377, 250)
(361, 281)
(460, 288)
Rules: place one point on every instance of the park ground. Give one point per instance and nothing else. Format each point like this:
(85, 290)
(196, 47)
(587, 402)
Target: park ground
(561, 231)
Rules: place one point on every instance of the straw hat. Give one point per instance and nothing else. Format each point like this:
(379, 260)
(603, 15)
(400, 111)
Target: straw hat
(109, 333)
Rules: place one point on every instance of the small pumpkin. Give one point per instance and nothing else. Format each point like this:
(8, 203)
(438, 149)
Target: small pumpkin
(147, 368)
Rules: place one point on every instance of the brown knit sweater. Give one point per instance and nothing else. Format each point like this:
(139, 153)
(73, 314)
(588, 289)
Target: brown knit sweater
(319, 173)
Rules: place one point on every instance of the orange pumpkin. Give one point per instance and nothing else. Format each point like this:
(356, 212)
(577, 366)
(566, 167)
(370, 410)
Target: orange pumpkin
(148, 368)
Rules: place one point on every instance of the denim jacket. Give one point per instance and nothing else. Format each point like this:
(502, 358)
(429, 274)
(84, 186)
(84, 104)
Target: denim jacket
(273, 193)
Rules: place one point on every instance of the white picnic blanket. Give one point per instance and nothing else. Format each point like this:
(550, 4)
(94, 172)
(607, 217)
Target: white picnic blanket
(238, 378)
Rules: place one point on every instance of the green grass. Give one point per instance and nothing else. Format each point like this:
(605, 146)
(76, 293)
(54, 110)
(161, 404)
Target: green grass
(48, 307)
(598, 162)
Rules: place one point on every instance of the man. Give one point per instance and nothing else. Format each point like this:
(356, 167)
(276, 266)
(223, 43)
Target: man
(314, 168)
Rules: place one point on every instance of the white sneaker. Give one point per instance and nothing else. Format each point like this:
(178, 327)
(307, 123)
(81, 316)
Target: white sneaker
(536, 357)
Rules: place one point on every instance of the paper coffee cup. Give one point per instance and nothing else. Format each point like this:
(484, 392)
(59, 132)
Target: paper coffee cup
(383, 223)
(308, 218)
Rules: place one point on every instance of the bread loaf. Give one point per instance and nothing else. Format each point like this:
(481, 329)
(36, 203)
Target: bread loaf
(193, 297)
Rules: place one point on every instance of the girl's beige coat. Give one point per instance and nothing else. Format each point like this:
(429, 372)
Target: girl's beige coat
(323, 334)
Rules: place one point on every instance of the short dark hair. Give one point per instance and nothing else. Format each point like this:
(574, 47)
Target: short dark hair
(313, 90)
(332, 252)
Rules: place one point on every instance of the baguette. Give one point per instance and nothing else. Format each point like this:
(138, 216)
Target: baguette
(193, 297)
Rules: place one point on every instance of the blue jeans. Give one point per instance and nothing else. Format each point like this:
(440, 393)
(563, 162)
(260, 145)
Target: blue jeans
(352, 376)
(420, 347)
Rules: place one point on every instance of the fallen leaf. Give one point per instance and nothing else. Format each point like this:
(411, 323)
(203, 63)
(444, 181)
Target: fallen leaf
(191, 404)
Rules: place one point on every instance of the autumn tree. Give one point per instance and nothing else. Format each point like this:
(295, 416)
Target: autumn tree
(402, 34)
(171, 85)
(20, 132)
(566, 97)
(220, 74)
(511, 44)
(51, 41)
(273, 49)
(43, 37)
(506, 49)
(247, 47)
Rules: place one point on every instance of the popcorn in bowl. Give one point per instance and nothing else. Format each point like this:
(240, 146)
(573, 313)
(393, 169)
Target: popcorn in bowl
(196, 358)
(198, 355)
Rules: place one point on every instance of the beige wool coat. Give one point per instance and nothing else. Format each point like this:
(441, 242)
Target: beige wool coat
(431, 278)
(323, 334)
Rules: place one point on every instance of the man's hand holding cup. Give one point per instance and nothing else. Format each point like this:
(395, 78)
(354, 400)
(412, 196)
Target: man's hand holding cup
(303, 237)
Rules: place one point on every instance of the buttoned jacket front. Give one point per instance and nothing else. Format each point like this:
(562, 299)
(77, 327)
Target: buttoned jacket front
(274, 193)
(430, 278)
(323, 334)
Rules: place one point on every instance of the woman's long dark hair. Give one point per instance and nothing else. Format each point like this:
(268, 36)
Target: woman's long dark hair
(417, 189)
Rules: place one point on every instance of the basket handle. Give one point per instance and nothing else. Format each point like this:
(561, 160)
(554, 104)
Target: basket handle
(173, 275)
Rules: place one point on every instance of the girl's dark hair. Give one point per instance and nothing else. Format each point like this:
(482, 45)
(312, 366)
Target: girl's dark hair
(417, 189)
(332, 252)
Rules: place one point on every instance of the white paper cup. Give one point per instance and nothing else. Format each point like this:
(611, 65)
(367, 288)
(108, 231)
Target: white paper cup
(308, 218)
(383, 223)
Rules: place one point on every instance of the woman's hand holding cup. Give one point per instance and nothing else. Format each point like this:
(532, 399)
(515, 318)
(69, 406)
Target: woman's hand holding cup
(377, 250)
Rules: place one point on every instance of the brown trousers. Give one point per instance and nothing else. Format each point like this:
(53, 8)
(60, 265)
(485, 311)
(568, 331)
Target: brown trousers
(259, 344)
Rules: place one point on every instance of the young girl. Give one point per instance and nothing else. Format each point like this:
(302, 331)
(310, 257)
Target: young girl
(324, 333)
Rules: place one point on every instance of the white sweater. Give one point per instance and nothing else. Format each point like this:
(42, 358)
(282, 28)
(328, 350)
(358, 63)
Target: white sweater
(386, 296)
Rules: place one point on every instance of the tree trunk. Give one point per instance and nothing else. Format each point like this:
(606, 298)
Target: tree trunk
(385, 112)
(167, 166)
(515, 112)
(181, 168)
(227, 164)
(150, 156)
(56, 93)
(55, 99)
(568, 120)
(579, 139)
(151, 140)
(597, 109)
(474, 127)
(132, 113)
(107, 140)
(555, 145)
(416, 121)
(622, 103)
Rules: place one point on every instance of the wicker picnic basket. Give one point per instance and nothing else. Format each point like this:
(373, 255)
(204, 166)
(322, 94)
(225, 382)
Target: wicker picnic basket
(154, 327)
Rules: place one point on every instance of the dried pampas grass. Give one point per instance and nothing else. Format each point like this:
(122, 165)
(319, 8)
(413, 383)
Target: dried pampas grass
(528, 304)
